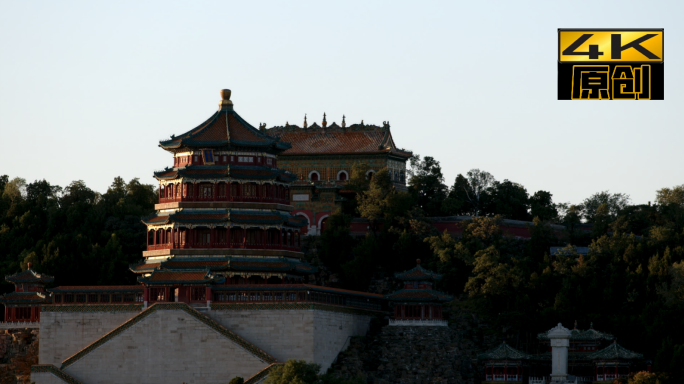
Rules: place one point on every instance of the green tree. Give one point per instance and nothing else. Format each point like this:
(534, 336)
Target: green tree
(236, 380)
(426, 183)
(542, 206)
(382, 203)
(336, 241)
(294, 372)
(510, 200)
(674, 195)
(615, 202)
(480, 183)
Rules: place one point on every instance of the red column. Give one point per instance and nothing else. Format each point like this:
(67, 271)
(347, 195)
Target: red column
(213, 196)
(280, 238)
(212, 237)
(146, 294)
(208, 294)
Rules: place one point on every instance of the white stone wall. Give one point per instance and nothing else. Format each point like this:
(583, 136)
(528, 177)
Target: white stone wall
(63, 334)
(284, 334)
(45, 378)
(168, 346)
(311, 335)
(332, 331)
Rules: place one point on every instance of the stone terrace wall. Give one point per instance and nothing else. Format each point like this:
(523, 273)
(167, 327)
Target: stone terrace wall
(332, 333)
(306, 334)
(62, 334)
(46, 378)
(167, 346)
(285, 334)
(410, 355)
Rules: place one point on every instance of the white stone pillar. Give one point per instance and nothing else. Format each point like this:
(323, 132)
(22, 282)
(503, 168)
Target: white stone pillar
(560, 341)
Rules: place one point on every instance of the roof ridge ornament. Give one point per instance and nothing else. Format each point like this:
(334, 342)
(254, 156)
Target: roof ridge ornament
(305, 124)
(325, 122)
(225, 103)
(344, 123)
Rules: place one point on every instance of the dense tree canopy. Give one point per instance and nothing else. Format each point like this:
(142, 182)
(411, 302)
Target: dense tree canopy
(80, 236)
(630, 283)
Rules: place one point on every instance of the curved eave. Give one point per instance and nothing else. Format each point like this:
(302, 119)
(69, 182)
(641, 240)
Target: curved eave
(229, 217)
(186, 139)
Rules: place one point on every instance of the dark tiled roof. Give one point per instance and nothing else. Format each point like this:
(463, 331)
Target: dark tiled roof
(229, 216)
(337, 140)
(251, 172)
(504, 352)
(564, 251)
(28, 297)
(226, 263)
(418, 273)
(576, 334)
(144, 267)
(224, 128)
(418, 295)
(615, 352)
(173, 264)
(29, 276)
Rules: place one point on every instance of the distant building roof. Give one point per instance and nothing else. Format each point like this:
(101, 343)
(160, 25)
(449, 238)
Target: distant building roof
(418, 273)
(504, 352)
(355, 139)
(576, 334)
(615, 352)
(29, 276)
(564, 251)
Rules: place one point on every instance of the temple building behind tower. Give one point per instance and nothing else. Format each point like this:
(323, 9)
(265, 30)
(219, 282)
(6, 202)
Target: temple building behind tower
(322, 158)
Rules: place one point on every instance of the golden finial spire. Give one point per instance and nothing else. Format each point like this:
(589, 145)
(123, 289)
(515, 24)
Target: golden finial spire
(325, 122)
(225, 100)
(344, 123)
(305, 125)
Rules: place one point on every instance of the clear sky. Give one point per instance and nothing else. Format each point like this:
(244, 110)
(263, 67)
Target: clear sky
(88, 88)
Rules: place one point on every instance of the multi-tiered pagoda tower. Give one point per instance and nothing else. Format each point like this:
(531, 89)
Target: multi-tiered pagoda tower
(224, 214)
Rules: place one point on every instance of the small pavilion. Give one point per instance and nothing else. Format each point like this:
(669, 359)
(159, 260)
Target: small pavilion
(417, 302)
(614, 362)
(505, 363)
(23, 305)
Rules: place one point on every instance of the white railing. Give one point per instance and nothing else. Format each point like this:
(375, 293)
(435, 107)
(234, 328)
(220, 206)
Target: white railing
(19, 324)
(421, 323)
(610, 376)
(537, 380)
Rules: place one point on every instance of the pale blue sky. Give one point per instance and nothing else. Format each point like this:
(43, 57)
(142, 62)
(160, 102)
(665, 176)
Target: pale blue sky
(88, 88)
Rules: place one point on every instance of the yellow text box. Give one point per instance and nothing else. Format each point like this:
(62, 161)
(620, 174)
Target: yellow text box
(611, 45)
